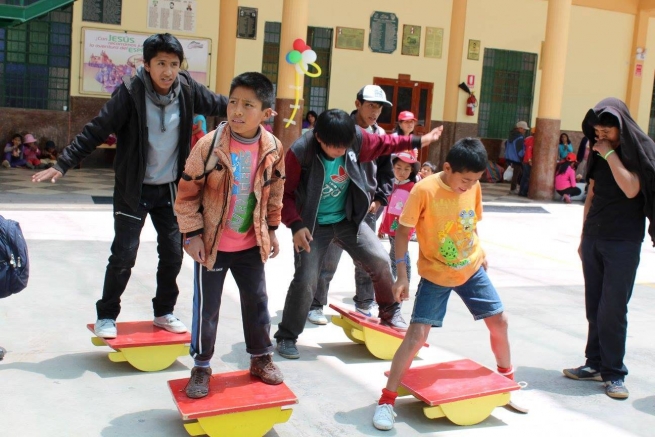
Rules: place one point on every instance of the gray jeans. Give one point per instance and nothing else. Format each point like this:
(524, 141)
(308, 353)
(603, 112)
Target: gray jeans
(364, 292)
(367, 252)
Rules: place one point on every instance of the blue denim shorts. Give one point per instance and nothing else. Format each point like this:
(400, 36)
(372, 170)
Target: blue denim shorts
(478, 294)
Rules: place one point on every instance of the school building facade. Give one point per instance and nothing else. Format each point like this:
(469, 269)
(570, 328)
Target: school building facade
(543, 61)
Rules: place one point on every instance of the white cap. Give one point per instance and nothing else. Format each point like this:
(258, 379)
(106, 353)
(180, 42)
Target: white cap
(373, 93)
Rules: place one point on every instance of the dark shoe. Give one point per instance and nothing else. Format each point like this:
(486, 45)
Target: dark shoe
(263, 367)
(287, 348)
(616, 390)
(583, 373)
(3, 351)
(198, 385)
(396, 321)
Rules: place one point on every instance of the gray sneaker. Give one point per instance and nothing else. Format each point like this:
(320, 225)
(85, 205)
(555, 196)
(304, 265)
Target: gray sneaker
(105, 328)
(396, 321)
(3, 351)
(287, 348)
(583, 373)
(616, 390)
(316, 317)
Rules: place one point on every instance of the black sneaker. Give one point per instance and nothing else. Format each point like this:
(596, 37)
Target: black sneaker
(3, 351)
(396, 321)
(287, 348)
(198, 385)
(583, 373)
(616, 390)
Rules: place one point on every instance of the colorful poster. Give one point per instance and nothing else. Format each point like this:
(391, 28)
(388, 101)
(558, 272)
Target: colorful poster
(175, 15)
(108, 56)
(411, 44)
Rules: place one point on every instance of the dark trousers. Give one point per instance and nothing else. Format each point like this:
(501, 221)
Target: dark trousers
(609, 269)
(517, 171)
(525, 179)
(248, 271)
(571, 191)
(156, 201)
(364, 292)
(362, 244)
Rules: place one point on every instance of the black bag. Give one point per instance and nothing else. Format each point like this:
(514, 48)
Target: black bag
(14, 261)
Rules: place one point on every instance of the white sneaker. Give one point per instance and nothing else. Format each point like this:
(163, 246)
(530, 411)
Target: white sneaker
(170, 323)
(316, 317)
(105, 328)
(384, 416)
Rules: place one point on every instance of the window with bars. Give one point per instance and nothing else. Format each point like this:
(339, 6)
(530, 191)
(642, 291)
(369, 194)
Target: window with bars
(35, 62)
(319, 39)
(507, 91)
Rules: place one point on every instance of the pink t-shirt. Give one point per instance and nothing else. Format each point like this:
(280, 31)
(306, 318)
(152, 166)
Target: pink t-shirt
(239, 233)
(565, 180)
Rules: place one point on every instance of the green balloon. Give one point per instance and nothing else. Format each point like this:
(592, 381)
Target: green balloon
(295, 56)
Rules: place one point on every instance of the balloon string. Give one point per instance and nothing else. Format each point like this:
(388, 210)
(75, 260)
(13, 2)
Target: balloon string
(295, 107)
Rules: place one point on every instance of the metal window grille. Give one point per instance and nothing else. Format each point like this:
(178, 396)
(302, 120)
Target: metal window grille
(316, 89)
(35, 62)
(507, 91)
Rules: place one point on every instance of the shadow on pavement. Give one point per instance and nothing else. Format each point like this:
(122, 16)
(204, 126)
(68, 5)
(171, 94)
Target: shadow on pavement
(553, 381)
(645, 405)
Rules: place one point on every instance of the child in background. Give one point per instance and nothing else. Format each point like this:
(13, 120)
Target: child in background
(565, 182)
(228, 206)
(405, 167)
(427, 169)
(32, 152)
(14, 156)
(565, 147)
(445, 210)
(199, 128)
(49, 155)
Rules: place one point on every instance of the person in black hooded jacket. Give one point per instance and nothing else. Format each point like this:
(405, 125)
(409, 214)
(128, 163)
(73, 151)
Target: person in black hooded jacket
(151, 115)
(620, 175)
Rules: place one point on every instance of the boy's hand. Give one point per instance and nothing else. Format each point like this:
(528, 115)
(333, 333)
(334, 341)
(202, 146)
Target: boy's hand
(375, 205)
(485, 264)
(51, 173)
(602, 147)
(196, 249)
(431, 136)
(400, 290)
(275, 245)
(301, 240)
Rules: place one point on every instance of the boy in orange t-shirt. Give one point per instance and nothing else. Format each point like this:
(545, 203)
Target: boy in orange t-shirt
(444, 209)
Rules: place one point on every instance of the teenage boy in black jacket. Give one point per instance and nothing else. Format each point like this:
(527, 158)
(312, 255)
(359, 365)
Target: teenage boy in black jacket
(151, 115)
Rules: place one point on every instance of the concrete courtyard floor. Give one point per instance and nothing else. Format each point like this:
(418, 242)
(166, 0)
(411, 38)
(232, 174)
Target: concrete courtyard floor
(54, 382)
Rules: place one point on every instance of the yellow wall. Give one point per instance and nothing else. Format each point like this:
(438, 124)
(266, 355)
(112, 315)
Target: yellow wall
(135, 19)
(518, 25)
(597, 63)
(648, 78)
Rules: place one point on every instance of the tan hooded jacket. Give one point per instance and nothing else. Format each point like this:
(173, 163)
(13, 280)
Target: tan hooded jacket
(203, 201)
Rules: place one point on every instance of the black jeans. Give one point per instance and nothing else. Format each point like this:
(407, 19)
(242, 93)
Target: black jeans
(525, 179)
(571, 191)
(609, 269)
(248, 271)
(362, 244)
(364, 292)
(156, 201)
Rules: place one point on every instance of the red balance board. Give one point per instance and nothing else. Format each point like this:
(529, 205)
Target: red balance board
(140, 334)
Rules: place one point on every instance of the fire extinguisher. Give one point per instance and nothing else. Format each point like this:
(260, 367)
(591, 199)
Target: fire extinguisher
(471, 104)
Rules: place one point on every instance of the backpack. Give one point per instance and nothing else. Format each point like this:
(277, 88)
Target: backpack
(14, 261)
(511, 154)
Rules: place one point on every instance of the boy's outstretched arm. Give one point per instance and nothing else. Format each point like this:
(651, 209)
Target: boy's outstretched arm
(401, 286)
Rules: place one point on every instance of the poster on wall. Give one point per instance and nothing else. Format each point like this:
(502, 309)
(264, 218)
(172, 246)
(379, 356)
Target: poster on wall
(102, 11)
(173, 15)
(107, 56)
(349, 38)
(411, 40)
(247, 23)
(433, 42)
(383, 36)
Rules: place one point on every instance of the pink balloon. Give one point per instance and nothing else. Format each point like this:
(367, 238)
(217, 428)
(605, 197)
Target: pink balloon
(299, 45)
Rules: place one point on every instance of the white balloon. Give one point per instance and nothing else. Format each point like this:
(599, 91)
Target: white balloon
(309, 56)
(299, 70)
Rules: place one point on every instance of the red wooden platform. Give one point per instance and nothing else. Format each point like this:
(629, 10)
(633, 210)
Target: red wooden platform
(230, 393)
(441, 383)
(140, 334)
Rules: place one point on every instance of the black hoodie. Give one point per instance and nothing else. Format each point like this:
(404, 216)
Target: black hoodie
(638, 150)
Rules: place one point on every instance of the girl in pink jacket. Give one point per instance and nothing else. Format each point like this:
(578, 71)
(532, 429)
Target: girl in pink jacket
(565, 183)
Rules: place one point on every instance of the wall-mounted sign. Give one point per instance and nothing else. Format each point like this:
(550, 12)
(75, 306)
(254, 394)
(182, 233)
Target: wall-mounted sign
(474, 49)
(638, 70)
(107, 56)
(349, 38)
(411, 40)
(433, 42)
(173, 15)
(247, 23)
(383, 36)
(102, 11)
(470, 80)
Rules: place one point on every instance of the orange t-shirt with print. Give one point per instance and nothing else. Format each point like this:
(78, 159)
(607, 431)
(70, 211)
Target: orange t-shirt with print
(445, 222)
